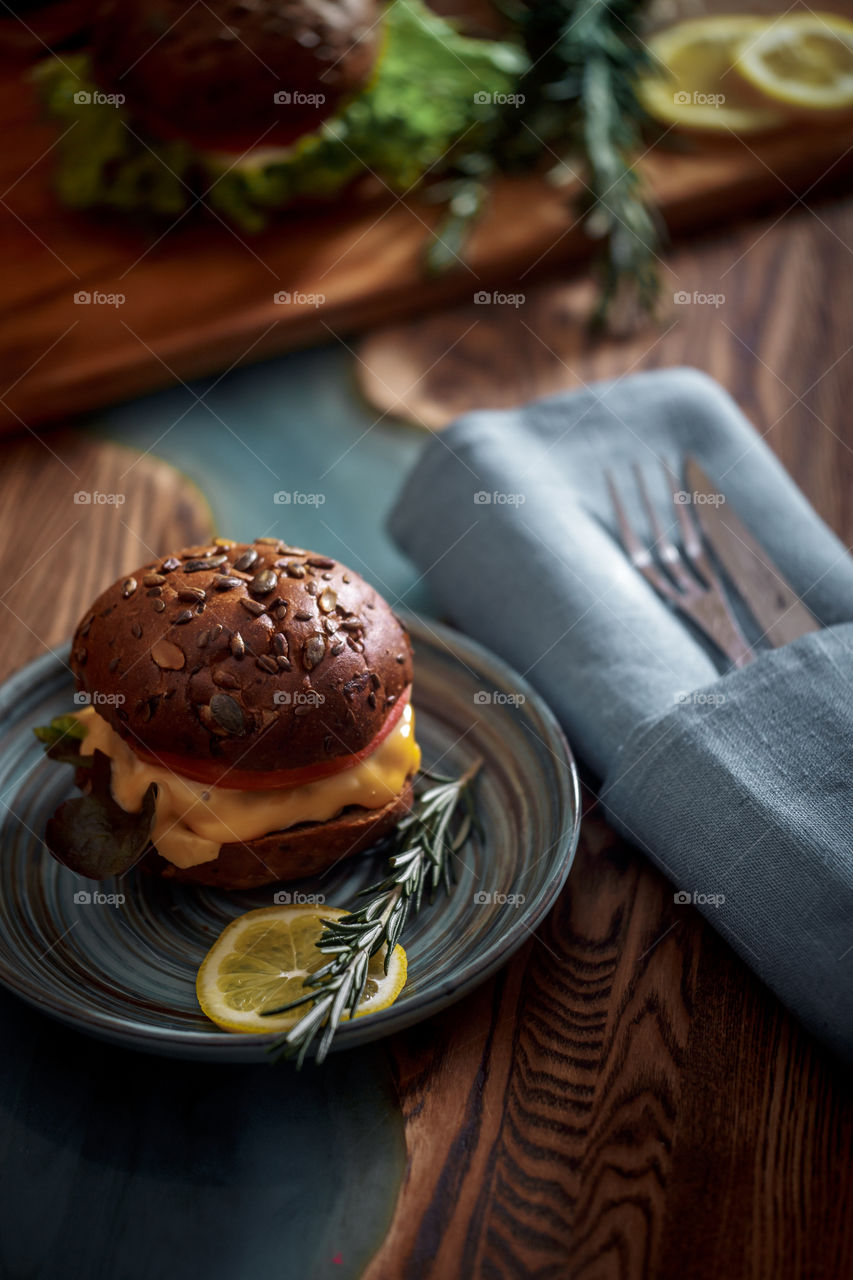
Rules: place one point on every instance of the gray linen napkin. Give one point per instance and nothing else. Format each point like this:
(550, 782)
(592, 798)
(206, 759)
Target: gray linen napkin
(737, 785)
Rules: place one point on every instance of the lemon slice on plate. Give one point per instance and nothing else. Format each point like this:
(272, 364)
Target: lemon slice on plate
(260, 960)
(697, 85)
(803, 61)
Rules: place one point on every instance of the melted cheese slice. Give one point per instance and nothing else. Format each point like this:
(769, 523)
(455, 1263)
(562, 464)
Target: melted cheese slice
(194, 819)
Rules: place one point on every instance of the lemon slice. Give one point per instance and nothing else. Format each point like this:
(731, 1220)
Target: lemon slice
(260, 960)
(696, 86)
(804, 61)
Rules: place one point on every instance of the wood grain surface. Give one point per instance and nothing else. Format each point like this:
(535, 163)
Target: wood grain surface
(782, 310)
(626, 1100)
(58, 551)
(199, 296)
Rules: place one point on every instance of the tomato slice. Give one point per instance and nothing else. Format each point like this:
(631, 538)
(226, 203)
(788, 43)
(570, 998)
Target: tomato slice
(219, 774)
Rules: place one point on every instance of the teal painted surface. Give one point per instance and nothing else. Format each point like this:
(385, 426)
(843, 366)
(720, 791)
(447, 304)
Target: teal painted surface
(117, 1164)
(297, 426)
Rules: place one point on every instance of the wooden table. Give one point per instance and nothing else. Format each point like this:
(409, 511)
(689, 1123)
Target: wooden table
(624, 1099)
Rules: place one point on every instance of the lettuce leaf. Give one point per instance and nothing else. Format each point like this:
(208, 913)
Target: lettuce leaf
(431, 87)
(93, 835)
(63, 739)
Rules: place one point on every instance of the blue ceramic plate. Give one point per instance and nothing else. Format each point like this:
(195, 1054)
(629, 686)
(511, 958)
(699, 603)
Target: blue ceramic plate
(118, 958)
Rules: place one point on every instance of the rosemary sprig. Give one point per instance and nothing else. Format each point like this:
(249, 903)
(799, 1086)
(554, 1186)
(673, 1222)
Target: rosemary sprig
(577, 105)
(420, 850)
(601, 58)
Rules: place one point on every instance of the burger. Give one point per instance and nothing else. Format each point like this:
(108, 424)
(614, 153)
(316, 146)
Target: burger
(248, 108)
(226, 75)
(244, 717)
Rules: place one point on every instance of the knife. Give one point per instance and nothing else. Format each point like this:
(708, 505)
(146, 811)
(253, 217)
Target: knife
(776, 607)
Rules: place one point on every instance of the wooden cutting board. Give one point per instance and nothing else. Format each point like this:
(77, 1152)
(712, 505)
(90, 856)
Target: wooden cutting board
(199, 297)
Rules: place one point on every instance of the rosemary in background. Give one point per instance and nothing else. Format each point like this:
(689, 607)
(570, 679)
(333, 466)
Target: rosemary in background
(580, 113)
(420, 852)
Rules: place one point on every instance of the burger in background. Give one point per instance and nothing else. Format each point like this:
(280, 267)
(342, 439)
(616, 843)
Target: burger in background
(250, 107)
(229, 76)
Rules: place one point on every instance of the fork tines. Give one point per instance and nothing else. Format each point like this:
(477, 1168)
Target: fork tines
(682, 575)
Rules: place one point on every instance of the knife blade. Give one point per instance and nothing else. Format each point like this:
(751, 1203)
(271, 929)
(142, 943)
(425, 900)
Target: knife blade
(775, 605)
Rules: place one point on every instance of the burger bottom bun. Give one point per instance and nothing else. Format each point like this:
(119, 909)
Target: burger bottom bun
(294, 854)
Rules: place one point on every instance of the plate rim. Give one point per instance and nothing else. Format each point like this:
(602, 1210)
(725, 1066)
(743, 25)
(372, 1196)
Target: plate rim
(215, 1045)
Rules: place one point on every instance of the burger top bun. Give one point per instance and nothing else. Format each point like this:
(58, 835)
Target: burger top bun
(259, 656)
(210, 72)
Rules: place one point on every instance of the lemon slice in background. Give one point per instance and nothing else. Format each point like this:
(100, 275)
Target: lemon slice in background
(803, 61)
(260, 960)
(696, 86)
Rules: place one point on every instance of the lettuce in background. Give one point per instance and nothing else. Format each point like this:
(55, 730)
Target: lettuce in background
(432, 87)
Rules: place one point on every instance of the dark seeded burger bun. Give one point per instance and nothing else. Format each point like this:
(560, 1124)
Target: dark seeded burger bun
(296, 663)
(209, 72)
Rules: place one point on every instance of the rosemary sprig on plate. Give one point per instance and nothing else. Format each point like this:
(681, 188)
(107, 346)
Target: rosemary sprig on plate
(421, 851)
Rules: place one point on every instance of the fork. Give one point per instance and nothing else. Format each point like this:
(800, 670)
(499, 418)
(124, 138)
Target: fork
(684, 577)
